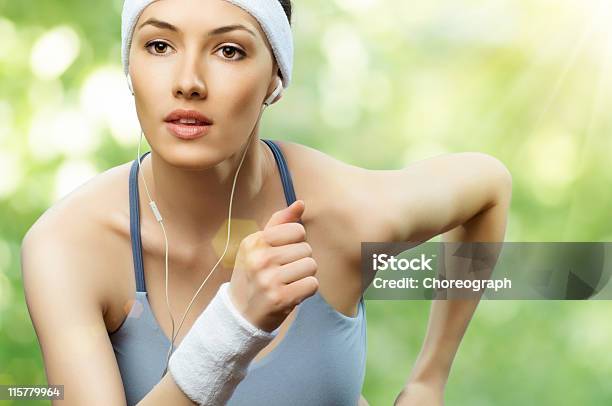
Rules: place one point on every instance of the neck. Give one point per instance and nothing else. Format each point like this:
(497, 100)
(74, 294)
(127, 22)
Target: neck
(194, 204)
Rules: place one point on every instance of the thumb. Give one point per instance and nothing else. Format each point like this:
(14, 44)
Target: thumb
(289, 214)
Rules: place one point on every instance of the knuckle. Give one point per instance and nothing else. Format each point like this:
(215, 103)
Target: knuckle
(259, 237)
(263, 259)
(312, 264)
(275, 298)
(244, 243)
(257, 259)
(308, 249)
(314, 283)
(265, 280)
(301, 230)
(248, 242)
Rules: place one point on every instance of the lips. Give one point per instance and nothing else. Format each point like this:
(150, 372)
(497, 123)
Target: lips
(189, 121)
(187, 131)
(187, 117)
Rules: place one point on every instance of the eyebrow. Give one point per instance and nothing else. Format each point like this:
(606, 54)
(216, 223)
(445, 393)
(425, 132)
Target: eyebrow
(167, 26)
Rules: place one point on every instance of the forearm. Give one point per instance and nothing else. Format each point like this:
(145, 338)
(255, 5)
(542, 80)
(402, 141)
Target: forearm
(213, 358)
(449, 318)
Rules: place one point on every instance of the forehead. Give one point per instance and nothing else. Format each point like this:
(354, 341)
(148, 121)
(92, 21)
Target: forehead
(201, 16)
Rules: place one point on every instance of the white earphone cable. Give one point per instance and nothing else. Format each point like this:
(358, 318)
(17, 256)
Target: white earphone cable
(158, 216)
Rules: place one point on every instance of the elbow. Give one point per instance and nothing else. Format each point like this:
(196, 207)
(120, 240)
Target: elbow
(498, 176)
(503, 183)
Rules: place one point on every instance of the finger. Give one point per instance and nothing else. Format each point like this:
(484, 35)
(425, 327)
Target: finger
(297, 270)
(283, 234)
(290, 253)
(301, 289)
(292, 213)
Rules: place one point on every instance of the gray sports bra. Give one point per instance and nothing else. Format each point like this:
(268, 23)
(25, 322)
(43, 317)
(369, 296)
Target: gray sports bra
(320, 360)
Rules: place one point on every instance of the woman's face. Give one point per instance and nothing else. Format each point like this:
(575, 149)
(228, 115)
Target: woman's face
(225, 76)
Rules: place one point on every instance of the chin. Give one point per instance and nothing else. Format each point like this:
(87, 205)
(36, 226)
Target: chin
(191, 156)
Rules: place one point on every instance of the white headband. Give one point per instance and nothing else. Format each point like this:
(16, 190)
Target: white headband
(268, 13)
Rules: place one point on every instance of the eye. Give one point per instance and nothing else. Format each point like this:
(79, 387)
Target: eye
(229, 51)
(158, 46)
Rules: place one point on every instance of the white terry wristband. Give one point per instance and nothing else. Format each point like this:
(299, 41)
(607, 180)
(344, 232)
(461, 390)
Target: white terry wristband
(214, 355)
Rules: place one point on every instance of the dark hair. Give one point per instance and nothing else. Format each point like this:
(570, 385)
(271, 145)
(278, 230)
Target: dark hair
(287, 7)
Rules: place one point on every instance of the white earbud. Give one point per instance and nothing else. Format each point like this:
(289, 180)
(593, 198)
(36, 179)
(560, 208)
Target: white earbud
(129, 81)
(275, 93)
(158, 216)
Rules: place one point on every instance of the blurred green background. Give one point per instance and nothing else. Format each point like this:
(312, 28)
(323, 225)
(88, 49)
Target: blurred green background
(379, 84)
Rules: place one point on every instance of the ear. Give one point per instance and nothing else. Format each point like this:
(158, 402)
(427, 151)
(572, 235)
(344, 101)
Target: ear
(274, 85)
(129, 83)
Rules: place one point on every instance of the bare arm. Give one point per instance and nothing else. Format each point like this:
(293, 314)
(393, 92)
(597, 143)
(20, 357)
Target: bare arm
(449, 318)
(463, 197)
(480, 193)
(67, 315)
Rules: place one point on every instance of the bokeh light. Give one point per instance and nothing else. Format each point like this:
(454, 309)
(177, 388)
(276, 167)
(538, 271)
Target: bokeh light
(54, 52)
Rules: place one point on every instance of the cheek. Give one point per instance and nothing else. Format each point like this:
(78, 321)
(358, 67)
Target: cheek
(147, 110)
(150, 90)
(150, 73)
(243, 107)
(238, 100)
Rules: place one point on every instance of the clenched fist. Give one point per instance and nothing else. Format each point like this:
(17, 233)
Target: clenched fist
(274, 270)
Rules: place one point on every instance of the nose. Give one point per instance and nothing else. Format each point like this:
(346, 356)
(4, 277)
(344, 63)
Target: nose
(189, 83)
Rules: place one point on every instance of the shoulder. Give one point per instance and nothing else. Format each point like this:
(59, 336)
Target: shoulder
(88, 199)
(71, 241)
(391, 205)
(341, 198)
(66, 270)
(92, 207)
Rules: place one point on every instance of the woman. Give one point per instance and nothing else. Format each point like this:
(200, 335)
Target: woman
(94, 264)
